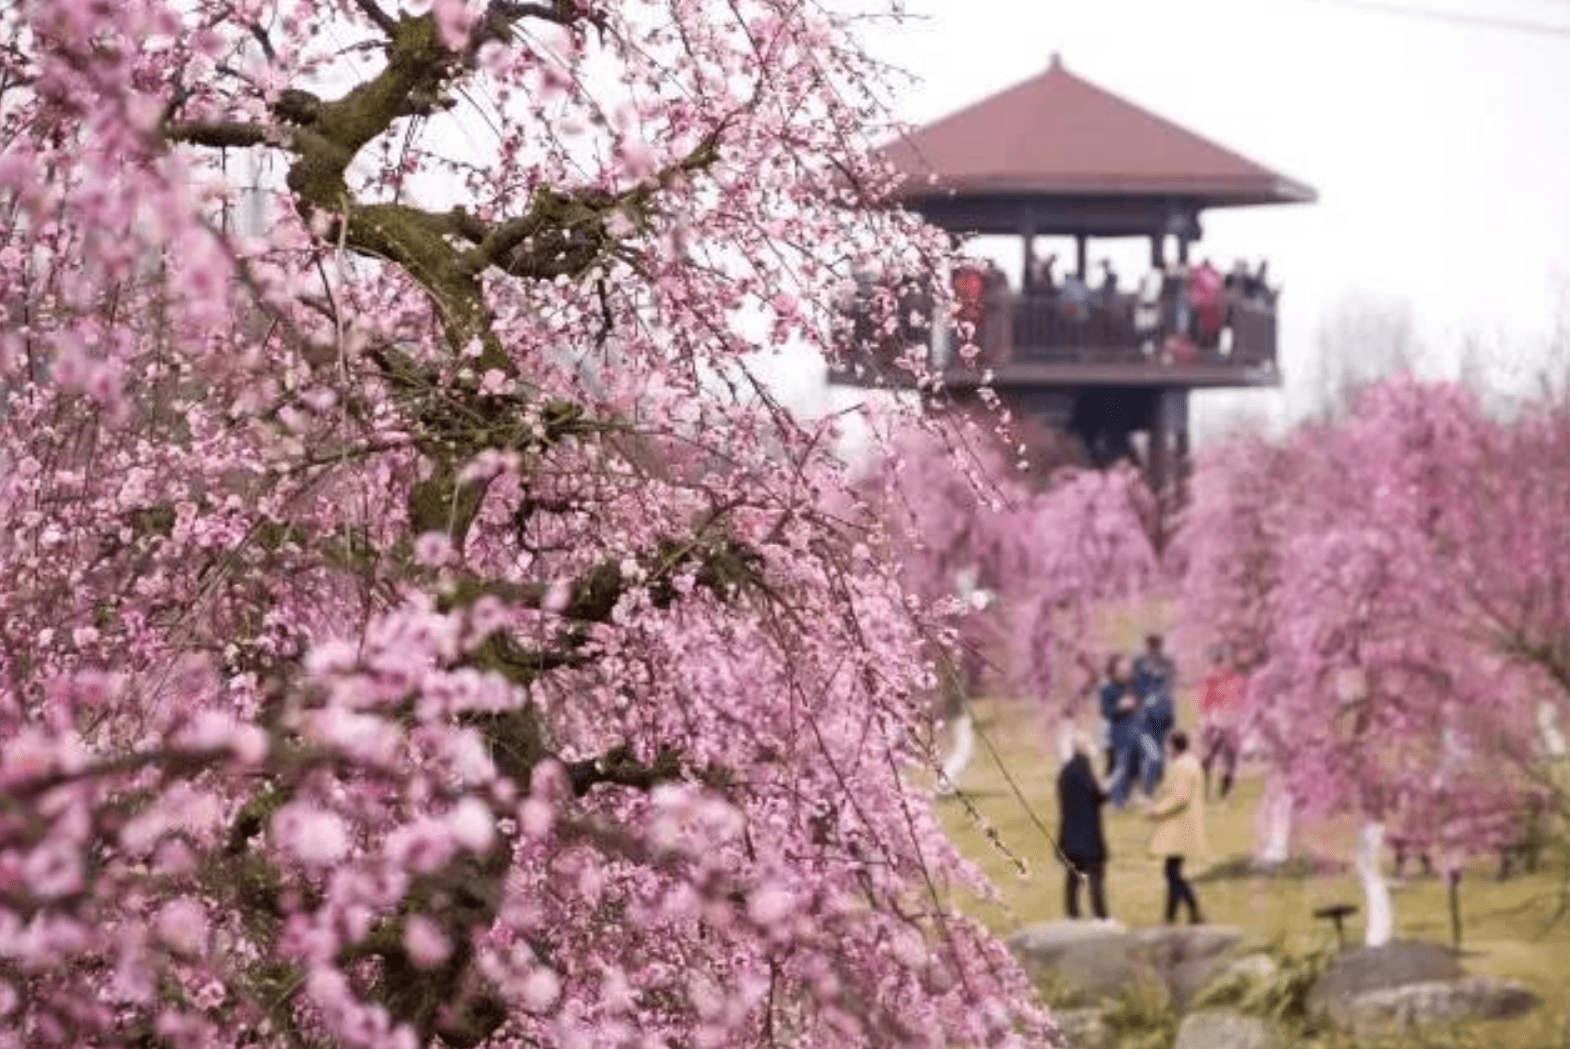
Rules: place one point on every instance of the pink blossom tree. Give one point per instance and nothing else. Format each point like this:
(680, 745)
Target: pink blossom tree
(1377, 690)
(1229, 545)
(419, 627)
(1048, 547)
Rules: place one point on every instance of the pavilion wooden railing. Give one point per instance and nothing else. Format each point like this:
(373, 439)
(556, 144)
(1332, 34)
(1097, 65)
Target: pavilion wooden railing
(1028, 329)
(1033, 328)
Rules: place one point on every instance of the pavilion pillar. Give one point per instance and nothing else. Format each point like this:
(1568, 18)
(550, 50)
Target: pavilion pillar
(1079, 255)
(1156, 261)
(1027, 273)
(1169, 461)
(1177, 420)
(1156, 465)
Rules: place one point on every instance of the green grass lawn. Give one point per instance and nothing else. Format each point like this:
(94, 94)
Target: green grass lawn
(1509, 928)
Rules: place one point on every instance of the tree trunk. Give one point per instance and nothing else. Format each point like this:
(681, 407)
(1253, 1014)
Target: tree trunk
(1453, 883)
(1377, 907)
(964, 748)
(1274, 834)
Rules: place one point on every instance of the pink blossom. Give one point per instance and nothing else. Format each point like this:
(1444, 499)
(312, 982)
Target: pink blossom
(182, 925)
(536, 816)
(433, 549)
(769, 905)
(454, 20)
(53, 869)
(314, 836)
(427, 944)
(473, 824)
(541, 988)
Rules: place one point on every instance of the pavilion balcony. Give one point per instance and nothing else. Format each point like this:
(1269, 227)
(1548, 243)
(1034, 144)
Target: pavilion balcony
(1035, 338)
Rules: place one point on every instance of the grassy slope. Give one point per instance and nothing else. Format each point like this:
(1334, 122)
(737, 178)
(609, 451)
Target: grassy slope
(1508, 927)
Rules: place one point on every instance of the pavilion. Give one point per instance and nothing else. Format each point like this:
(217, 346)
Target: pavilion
(1059, 156)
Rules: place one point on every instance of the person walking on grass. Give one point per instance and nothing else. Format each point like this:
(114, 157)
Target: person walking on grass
(1155, 676)
(1221, 697)
(1120, 708)
(1179, 815)
(1082, 841)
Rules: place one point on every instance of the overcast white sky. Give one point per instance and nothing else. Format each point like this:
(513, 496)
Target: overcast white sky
(1441, 152)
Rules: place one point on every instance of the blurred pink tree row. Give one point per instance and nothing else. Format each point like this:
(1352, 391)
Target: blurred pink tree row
(1397, 584)
(1023, 558)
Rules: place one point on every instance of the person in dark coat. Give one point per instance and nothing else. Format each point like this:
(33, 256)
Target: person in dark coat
(1125, 727)
(1081, 840)
(1154, 678)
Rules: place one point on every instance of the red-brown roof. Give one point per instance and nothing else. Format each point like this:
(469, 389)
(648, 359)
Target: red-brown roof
(1058, 135)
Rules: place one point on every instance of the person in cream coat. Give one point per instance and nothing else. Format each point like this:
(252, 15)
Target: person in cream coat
(1178, 813)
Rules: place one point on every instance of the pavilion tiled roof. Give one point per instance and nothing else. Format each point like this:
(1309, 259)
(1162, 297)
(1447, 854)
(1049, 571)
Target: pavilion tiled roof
(1059, 135)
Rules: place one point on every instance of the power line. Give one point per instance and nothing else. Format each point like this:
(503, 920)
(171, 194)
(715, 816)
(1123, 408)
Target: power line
(1515, 25)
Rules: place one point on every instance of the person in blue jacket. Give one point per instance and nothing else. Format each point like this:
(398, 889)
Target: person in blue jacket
(1154, 678)
(1120, 708)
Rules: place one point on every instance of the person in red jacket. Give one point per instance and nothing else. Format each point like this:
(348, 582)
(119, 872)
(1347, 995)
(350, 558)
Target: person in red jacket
(1220, 713)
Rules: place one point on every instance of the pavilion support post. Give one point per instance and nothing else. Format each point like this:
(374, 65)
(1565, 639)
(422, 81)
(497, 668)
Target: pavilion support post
(1079, 255)
(1156, 261)
(1027, 274)
(1177, 422)
(1157, 464)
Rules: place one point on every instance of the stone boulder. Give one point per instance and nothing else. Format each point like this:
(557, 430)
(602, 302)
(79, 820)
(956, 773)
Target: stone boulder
(1226, 1029)
(1435, 1003)
(1359, 970)
(1084, 962)
(1256, 968)
(1240, 977)
(1047, 943)
(1186, 957)
(1083, 1028)
(1091, 962)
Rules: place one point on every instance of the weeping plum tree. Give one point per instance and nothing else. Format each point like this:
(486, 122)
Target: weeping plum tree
(1229, 544)
(1048, 546)
(1370, 587)
(418, 628)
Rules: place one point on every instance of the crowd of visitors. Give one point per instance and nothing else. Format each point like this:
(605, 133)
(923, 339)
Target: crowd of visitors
(1178, 280)
(1136, 704)
(1150, 761)
(1176, 310)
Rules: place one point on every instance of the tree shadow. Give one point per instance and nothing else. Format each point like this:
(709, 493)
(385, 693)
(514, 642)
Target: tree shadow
(1297, 868)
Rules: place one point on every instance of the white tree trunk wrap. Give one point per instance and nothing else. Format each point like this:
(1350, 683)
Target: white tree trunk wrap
(1548, 727)
(1377, 905)
(1066, 740)
(1275, 825)
(963, 749)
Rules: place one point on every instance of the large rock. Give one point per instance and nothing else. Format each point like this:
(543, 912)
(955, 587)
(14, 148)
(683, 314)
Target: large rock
(1090, 962)
(1226, 1029)
(1173, 944)
(1083, 1028)
(1240, 977)
(1047, 943)
(1255, 968)
(1363, 969)
(1186, 957)
(1435, 1003)
(1084, 963)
